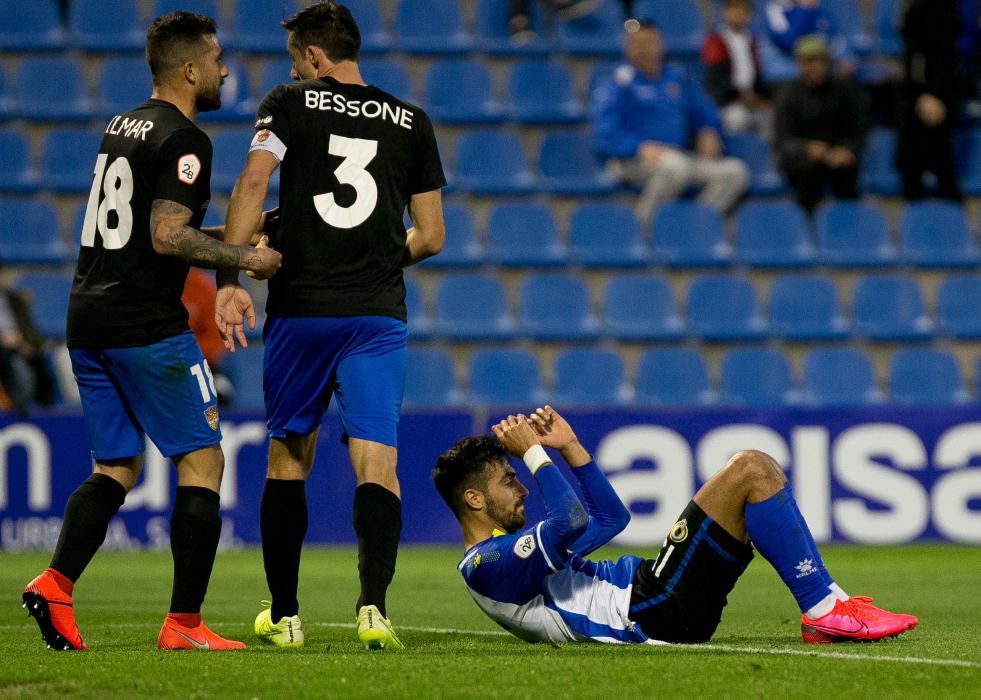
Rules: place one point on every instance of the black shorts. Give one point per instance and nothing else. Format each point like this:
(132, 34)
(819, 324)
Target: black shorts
(679, 596)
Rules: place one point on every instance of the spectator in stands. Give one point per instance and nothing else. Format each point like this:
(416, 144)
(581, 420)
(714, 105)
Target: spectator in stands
(733, 75)
(519, 21)
(24, 375)
(929, 100)
(646, 117)
(789, 20)
(821, 124)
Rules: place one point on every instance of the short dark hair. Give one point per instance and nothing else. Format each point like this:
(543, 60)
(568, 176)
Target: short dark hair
(174, 38)
(328, 26)
(464, 466)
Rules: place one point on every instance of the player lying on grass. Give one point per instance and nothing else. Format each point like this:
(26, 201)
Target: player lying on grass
(536, 582)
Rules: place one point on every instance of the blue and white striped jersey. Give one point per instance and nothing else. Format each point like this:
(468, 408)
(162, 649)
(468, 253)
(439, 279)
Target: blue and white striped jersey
(540, 595)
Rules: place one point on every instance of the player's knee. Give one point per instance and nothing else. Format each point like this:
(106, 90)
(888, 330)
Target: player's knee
(756, 466)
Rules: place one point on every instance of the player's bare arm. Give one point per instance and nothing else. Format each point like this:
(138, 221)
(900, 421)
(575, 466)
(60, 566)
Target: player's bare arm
(555, 432)
(266, 221)
(428, 233)
(173, 236)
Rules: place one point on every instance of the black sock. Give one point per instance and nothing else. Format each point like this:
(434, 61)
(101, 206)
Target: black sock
(283, 523)
(378, 524)
(87, 515)
(195, 528)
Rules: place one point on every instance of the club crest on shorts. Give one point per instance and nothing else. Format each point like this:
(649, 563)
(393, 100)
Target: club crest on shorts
(679, 532)
(524, 546)
(211, 415)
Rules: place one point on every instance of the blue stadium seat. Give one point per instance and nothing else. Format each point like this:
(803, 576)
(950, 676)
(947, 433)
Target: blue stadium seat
(848, 23)
(524, 234)
(723, 307)
(256, 25)
(640, 308)
(43, 245)
(958, 302)
(31, 26)
(605, 234)
(229, 146)
(568, 165)
(540, 92)
(68, 158)
(459, 91)
(596, 34)
(757, 377)
(237, 104)
(773, 234)
(925, 377)
(687, 234)
(492, 162)
(889, 308)
(678, 20)
(556, 307)
(493, 35)
(936, 234)
(375, 37)
(429, 381)
(853, 234)
(124, 83)
(430, 27)
(877, 166)
(17, 173)
(835, 377)
(805, 307)
(106, 25)
(461, 248)
(505, 377)
(202, 7)
(390, 76)
(589, 378)
(673, 377)
(968, 160)
(420, 324)
(472, 307)
(764, 178)
(51, 89)
(49, 300)
(885, 18)
(244, 370)
(276, 71)
(6, 101)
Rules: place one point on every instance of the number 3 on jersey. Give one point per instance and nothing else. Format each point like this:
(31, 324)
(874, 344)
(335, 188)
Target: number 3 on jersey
(116, 183)
(357, 153)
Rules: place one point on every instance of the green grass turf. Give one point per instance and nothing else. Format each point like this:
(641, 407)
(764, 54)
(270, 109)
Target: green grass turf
(757, 651)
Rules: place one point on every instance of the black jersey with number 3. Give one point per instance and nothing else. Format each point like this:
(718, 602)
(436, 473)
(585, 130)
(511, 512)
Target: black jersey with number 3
(124, 294)
(352, 156)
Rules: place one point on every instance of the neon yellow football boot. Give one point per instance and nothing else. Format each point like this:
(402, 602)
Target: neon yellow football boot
(287, 633)
(375, 631)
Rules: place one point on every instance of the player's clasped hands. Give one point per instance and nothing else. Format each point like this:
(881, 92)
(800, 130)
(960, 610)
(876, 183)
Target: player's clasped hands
(516, 435)
(263, 260)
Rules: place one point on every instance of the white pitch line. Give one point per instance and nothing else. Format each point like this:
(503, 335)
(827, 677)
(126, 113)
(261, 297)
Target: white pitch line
(724, 648)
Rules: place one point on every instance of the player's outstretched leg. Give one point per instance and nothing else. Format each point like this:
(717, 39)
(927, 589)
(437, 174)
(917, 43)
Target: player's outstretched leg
(286, 633)
(48, 600)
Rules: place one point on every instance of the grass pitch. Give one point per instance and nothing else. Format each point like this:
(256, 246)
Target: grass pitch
(453, 651)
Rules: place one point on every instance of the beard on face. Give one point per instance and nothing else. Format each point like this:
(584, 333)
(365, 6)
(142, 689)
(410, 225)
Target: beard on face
(208, 100)
(511, 520)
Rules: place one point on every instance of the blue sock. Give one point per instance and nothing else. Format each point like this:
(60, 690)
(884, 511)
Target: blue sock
(778, 531)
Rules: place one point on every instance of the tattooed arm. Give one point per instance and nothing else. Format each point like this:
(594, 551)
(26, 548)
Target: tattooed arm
(173, 236)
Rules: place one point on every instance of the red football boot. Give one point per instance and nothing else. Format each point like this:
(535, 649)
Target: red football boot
(176, 636)
(52, 609)
(854, 620)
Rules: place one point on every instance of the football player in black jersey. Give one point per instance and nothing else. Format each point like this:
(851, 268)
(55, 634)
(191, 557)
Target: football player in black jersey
(352, 158)
(138, 368)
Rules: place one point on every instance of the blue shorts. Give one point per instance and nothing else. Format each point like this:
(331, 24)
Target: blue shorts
(359, 360)
(164, 390)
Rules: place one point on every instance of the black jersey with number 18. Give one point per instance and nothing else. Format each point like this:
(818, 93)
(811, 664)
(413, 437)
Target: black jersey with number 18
(351, 158)
(124, 294)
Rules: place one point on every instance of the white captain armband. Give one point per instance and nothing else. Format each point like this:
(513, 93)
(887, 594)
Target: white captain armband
(535, 458)
(266, 140)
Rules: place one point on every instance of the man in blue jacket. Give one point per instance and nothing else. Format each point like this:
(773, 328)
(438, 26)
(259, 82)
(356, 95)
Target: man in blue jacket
(536, 582)
(659, 131)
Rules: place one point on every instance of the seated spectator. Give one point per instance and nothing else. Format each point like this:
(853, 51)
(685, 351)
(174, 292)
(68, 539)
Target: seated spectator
(647, 116)
(519, 22)
(929, 97)
(733, 76)
(821, 126)
(789, 20)
(25, 379)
